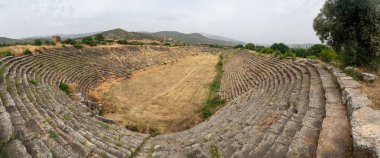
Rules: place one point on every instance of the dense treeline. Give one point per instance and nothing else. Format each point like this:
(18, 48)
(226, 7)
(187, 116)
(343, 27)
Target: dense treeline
(351, 28)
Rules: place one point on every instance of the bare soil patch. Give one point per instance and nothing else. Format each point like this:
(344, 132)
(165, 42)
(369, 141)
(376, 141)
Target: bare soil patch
(373, 91)
(165, 98)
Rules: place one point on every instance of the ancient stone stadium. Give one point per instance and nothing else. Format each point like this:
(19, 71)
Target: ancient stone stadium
(274, 107)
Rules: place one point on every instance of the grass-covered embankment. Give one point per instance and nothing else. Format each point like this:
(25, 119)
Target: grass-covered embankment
(214, 102)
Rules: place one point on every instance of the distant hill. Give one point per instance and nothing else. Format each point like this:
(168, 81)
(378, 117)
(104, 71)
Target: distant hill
(119, 34)
(236, 42)
(193, 38)
(4, 40)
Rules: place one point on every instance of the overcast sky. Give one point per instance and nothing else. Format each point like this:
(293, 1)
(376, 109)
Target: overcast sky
(258, 21)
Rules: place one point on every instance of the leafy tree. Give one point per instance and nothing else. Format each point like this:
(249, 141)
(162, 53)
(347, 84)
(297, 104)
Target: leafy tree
(316, 49)
(351, 27)
(47, 42)
(122, 42)
(36, 42)
(328, 55)
(69, 41)
(280, 47)
(250, 46)
(89, 40)
(99, 37)
(239, 46)
(300, 52)
(27, 52)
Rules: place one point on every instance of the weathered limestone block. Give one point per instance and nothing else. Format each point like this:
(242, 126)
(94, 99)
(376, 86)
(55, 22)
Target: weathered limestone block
(6, 129)
(348, 93)
(369, 77)
(105, 120)
(15, 149)
(348, 82)
(355, 103)
(365, 124)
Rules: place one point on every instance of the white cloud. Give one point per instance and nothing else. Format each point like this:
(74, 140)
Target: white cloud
(260, 21)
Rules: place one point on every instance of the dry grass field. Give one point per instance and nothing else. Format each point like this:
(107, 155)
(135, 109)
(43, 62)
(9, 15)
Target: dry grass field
(165, 97)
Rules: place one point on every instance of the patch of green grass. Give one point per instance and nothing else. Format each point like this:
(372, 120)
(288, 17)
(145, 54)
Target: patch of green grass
(78, 46)
(67, 117)
(27, 52)
(214, 151)
(214, 102)
(1, 72)
(102, 124)
(355, 74)
(8, 87)
(33, 82)
(5, 53)
(64, 87)
(53, 134)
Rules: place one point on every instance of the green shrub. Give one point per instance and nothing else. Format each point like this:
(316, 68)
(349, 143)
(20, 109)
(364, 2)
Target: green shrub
(69, 41)
(167, 44)
(5, 53)
(122, 41)
(53, 134)
(136, 43)
(313, 57)
(316, 49)
(78, 46)
(89, 40)
(47, 42)
(239, 46)
(250, 46)
(67, 117)
(36, 42)
(267, 51)
(300, 52)
(288, 55)
(27, 52)
(33, 82)
(102, 124)
(214, 151)
(281, 47)
(355, 74)
(328, 55)
(99, 37)
(214, 102)
(64, 87)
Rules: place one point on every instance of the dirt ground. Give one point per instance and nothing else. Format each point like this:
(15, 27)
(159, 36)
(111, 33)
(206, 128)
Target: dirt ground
(373, 91)
(165, 97)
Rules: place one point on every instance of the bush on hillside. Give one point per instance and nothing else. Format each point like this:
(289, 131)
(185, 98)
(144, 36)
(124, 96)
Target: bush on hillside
(300, 52)
(281, 47)
(27, 52)
(239, 46)
(69, 41)
(122, 41)
(99, 37)
(89, 40)
(316, 49)
(78, 46)
(328, 55)
(5, 53)
(37, 42)
(250, 46)
(267, 51)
